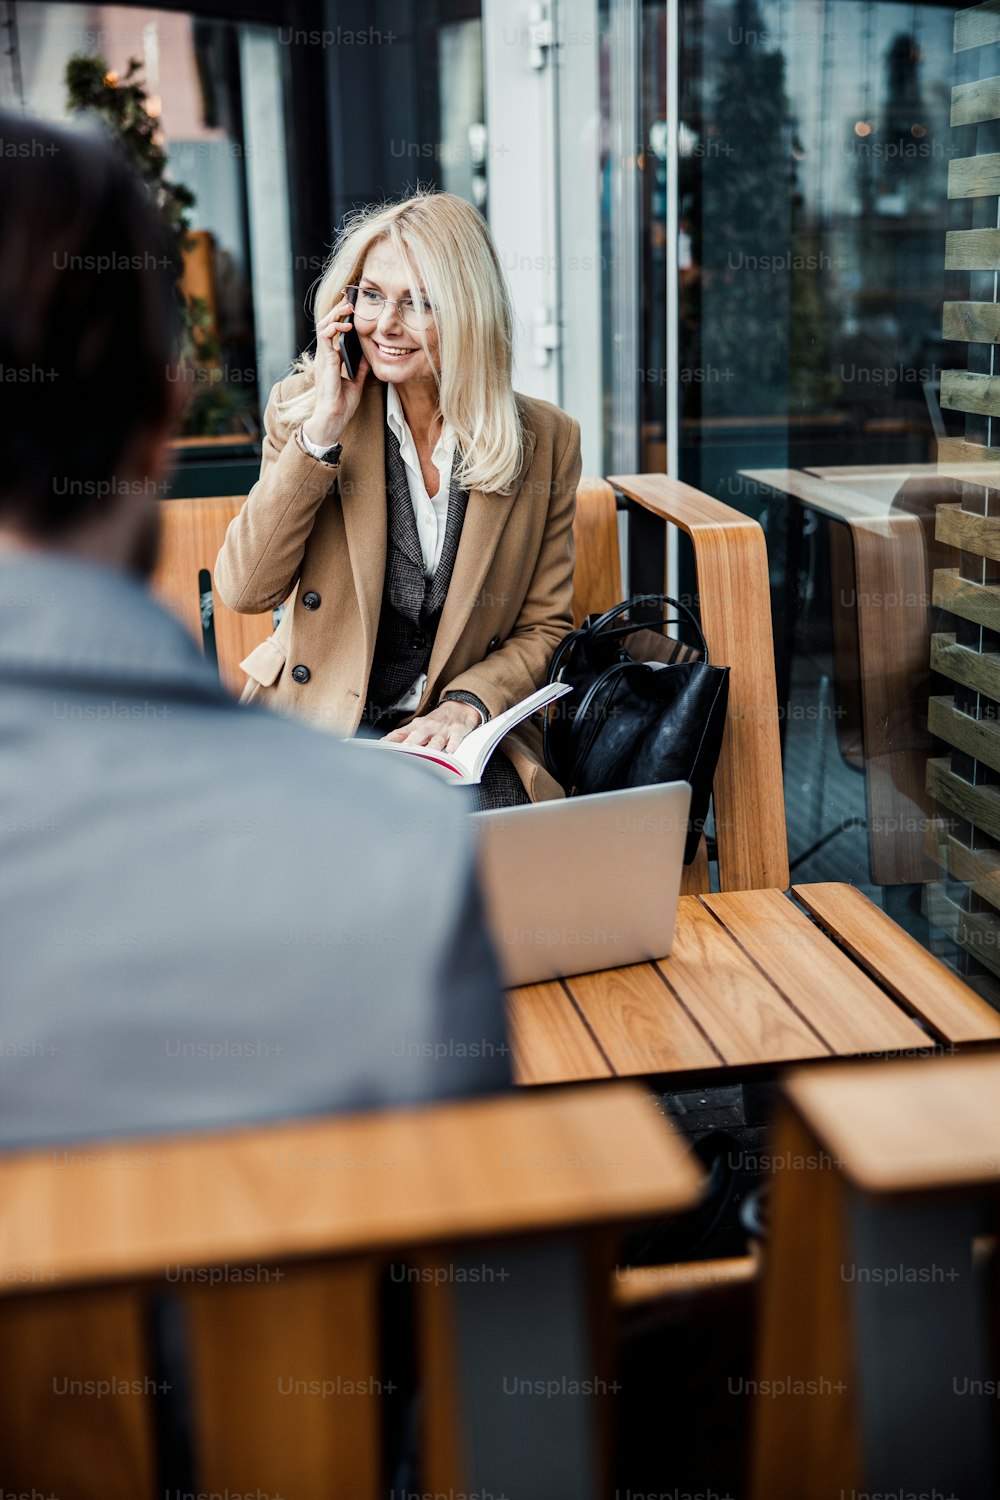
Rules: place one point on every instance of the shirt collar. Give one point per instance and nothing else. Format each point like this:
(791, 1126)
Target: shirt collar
(443, 448)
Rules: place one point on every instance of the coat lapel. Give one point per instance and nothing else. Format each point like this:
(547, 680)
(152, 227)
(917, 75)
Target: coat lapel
(438, 587)
(402, 521)
(485, 518)
(362, 485)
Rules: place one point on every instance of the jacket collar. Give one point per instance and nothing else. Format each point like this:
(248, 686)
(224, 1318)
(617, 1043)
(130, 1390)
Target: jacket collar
(362, 483)
(67, 620)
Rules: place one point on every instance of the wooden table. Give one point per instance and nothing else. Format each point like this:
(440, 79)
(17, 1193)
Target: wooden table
(753, 982)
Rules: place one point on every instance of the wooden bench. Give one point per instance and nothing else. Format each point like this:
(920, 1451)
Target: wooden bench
(193, 531)
(273, 1247)
(191, 535)
(877, 1369)
(752, 984)
(733, 591)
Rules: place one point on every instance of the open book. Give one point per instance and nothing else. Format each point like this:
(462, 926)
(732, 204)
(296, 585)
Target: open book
(466, 766)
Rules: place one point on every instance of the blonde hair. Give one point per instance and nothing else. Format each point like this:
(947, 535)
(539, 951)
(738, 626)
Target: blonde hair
(447, 249)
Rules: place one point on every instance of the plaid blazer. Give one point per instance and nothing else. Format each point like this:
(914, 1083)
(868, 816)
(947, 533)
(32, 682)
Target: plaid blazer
(411, 602)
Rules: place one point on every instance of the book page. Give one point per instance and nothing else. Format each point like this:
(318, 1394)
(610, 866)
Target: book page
(477, 747)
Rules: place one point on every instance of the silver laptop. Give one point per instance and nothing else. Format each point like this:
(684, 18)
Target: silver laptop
(584, 883)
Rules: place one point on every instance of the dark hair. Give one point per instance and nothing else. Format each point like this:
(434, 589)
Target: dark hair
(88, 321)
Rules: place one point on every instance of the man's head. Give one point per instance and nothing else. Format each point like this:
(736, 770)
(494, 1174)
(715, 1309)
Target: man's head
(88, 338)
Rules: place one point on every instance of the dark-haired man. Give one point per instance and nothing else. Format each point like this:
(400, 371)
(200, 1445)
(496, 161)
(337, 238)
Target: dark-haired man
(191, 935)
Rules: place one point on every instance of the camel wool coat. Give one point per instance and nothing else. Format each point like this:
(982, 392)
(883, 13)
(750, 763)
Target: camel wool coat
(314, 535)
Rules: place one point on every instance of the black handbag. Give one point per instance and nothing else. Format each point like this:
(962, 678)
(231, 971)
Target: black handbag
(635, 723)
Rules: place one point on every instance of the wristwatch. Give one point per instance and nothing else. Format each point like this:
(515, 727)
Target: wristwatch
(325, 455)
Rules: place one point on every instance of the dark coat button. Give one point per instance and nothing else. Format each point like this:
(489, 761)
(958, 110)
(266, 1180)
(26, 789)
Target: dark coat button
(310, 600)
(494, 643)
(301, 674)
(418, 640)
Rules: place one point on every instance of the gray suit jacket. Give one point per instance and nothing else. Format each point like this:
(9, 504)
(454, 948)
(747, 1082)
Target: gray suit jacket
(212, 914)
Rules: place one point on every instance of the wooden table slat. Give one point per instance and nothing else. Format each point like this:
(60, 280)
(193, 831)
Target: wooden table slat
(639, 1023)
(751, 982)
(848, 1010)
(550, 1041)
(900, 963)
(740, 1010)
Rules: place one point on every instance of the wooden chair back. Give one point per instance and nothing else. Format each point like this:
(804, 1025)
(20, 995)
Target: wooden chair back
(735, 605)
(192, 532)
(876, 1359)
(210, 1313)
(597, 581)
(734, 598)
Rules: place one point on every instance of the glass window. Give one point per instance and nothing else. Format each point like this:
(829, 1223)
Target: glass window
(463, 118)
(199, 77)
(837, 337)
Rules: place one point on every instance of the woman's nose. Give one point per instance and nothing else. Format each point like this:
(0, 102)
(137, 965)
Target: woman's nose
(389, 320)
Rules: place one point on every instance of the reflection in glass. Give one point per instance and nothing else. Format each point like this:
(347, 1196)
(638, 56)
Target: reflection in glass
(824, 388)
(193, 71)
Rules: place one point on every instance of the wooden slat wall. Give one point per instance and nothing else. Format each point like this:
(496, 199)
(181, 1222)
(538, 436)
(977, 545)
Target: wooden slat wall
(965, 780)
(973, 102)
(977, 26)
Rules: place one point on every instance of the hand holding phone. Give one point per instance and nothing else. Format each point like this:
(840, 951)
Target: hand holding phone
(336, 397)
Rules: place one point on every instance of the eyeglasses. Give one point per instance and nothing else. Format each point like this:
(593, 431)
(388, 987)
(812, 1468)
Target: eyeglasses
(369, 304)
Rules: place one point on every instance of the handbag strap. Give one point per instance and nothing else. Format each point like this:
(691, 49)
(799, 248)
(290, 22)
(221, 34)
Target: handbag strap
(603, 625)
(641, 601)
(560, 654)
(563, 649)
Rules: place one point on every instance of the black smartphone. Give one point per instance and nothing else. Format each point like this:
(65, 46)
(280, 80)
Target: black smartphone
(350, 344)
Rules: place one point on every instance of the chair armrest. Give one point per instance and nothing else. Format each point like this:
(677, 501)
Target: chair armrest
(525, 1163)
(681, 504)
(734, 600)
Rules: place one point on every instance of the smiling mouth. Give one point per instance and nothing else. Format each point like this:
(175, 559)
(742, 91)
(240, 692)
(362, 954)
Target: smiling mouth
(388, 352)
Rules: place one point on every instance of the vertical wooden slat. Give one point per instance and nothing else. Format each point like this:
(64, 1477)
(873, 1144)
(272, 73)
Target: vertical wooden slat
(77, 1392)
(191, 533)
(443, 1462)
(806, 1439)
(965, 783)
(288, 1384)
(597, 579)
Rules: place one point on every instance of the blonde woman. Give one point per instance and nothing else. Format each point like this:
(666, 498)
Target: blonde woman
(416, 519)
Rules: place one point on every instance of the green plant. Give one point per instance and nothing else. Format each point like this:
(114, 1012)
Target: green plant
(122, 103)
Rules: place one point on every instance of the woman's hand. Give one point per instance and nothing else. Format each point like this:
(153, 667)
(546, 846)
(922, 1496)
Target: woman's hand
(336, 398)
(444, 728)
